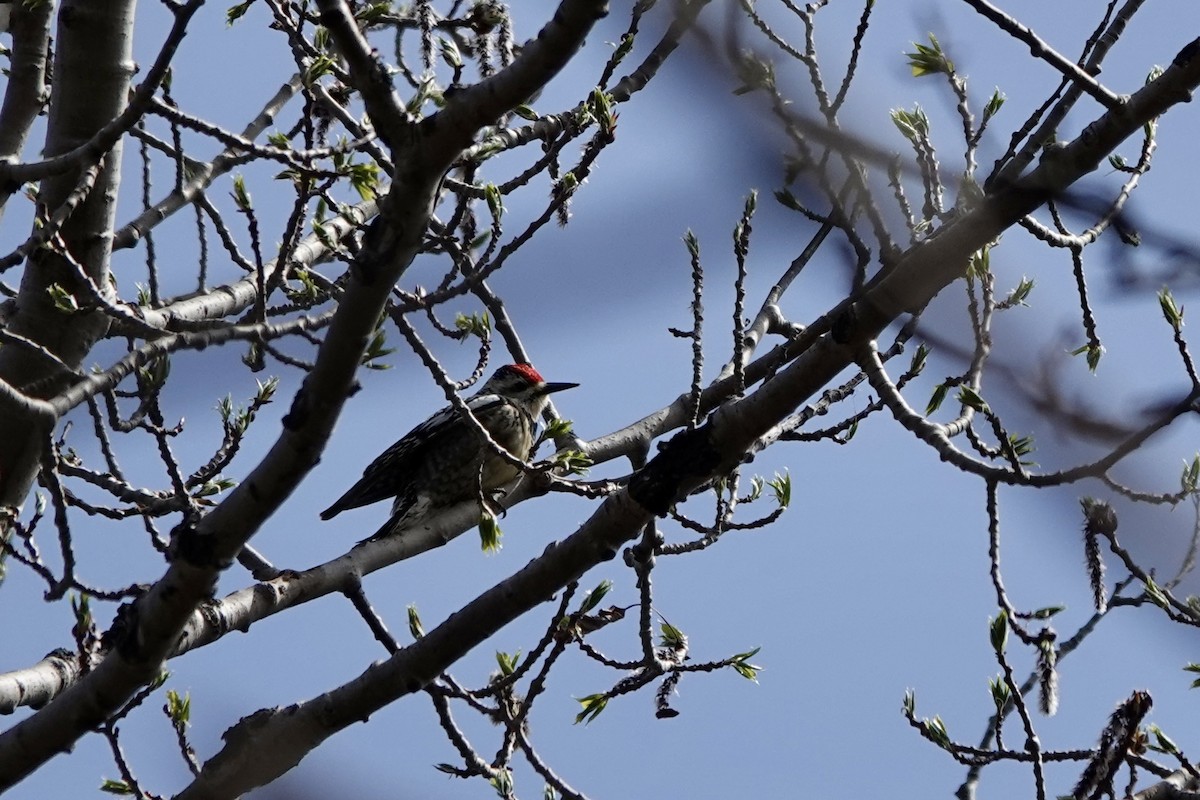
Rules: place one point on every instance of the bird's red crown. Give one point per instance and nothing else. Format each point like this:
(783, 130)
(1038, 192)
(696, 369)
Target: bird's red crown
(528, 371)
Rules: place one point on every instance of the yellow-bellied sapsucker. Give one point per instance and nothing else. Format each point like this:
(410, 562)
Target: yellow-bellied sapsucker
(444, 461)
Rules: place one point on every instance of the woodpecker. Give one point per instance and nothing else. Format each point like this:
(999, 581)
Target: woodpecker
(444, 460)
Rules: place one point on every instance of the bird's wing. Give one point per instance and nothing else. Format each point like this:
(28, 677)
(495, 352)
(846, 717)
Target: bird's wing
(386, 476)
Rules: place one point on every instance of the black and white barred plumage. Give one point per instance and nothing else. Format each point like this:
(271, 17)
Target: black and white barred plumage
(444, 461)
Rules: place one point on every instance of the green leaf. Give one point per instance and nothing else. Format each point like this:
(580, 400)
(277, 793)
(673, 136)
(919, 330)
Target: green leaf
(1191, 475)
(237, 11)
(755, 73)
(1000, 692)
(502, 782)
(913, 125)
(364, 179)
(595, 596)
(376, 350)
(559, 427)
(116, 787)
(910, 702)
(624, 47)
(373, 13)
(1164, 742)
(214, 487)
(929, 59)
(225, 409)
(936, 729)
(319, 67)
(495, 200)
(526, 113)
(1093, 351)
(788, 200)
(970, 194)
(179, 709)
(414, 622)
(308, 292)
(81, 607)
(153, 376)
(781, 486)
(574, 462)
(427, 91)
(566, 185)
(751, 204)
(993, 105)
(671, 636)
(449, 53)
(743, 667)
(63, 300)
(602, 110)
(757, 484)
(939, 396)
(1047, 612)
(266, 389)
(970, 398)
(321, 40)
(1019, 295)
(999, 632)
(979, 265)
(489, 533)
(1022, 446)
(1155, 595)
(918, 360)
(241, 197)
(477, 325)
(593, 705)
(1171, 312)
(508, 663)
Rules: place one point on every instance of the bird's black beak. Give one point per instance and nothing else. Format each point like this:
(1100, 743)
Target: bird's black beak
(551, 388)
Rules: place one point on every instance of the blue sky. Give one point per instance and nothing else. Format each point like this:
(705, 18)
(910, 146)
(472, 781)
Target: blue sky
(874, 582)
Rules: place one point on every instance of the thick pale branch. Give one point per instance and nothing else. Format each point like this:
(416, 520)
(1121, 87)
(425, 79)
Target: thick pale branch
(202, 310)
(370, 76)
(541, 59)
(201, 178)
(203, 548)
(1181, 785)
(97, 383)
(241, 765)
(38, 684)
(93, 65)
(789, 377)
(104, 139)
(26, 92)
(686, 462)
